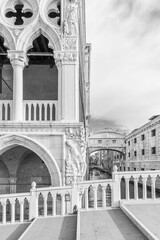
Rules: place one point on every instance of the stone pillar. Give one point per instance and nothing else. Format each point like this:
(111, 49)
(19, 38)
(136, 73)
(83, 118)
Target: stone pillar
(136, 188)
(153, 186)
(54, 205)
(103, 196)
(127, 188)
(144, 188)
(33, 205)
(68, 85)
(86, 198)
(13, 212)
(13, 182)
(19, 61)
(21, 211)
(63, 204)
(95, 197)
(4, 212)
(116, 188)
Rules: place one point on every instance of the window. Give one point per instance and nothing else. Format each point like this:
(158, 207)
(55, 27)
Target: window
(153, 132)
(129, 154)
(99, 141)
(143, 152)
(135, 153)
(134, 169)
(113, 141)
(120, 168)
(135, 140)
(153, 150)
(142, 169)
(128, 143)
(142, 137)
(124, 169)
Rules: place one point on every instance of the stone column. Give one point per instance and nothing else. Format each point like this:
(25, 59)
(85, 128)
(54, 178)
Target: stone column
(18, 60)
(103, 196)
(68, 85)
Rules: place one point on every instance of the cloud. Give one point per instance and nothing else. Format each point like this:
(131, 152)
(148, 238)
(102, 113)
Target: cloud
(125, 61)
(101, 123)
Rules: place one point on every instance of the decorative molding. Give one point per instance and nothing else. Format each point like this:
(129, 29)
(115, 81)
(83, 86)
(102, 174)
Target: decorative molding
(70, 43)
(65, 57)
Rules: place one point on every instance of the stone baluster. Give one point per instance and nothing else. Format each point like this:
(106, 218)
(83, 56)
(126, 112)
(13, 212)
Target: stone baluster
(86, 198)
(63, 204)
(4, 212)
(13, 211)
(35, 111)
(136, 188)
(45, 206)
(153, 182)
(22, 211)
(40, 111)
(127, 188)
(95, 197)
(54, 205)
(144, 180)
(103, 196)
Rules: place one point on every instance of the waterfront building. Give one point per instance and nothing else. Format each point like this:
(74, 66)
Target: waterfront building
(143, 147)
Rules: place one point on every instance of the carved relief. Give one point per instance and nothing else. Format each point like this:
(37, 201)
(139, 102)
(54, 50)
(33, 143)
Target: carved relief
(69, 43)
(65, 57)
(75, 161)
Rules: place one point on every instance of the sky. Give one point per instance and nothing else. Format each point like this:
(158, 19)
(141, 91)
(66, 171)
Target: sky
(125, 62)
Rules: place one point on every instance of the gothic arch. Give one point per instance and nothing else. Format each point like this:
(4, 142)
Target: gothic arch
(28, 35)
(9, 141)
(9, 40)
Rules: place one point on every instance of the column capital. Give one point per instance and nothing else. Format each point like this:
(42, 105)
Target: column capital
(18, 58)
(64, 57)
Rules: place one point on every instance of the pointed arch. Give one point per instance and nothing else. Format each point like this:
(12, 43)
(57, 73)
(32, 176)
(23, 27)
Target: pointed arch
(9, 141)
(9, 40)
(28, 35)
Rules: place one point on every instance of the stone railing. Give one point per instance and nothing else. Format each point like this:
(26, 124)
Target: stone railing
(5, 110)
(33, 110)
(124, 187)
(40, 110)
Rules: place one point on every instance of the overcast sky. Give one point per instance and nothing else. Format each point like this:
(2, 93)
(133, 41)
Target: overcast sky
(125, 61)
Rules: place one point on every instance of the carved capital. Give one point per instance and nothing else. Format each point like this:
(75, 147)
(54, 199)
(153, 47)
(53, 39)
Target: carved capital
(65, 57)
(18, 58)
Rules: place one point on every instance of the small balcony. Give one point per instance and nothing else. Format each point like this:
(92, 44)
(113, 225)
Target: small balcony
(33, 110)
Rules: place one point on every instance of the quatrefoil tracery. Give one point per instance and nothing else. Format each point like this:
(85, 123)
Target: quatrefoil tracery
(19, 14)
(56, 13)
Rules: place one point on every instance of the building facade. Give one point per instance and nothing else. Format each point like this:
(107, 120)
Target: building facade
(44, 91)
(143, 147)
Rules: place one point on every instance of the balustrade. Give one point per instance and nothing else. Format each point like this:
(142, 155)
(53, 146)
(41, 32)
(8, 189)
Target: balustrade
(84, 195)
(33, 110)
